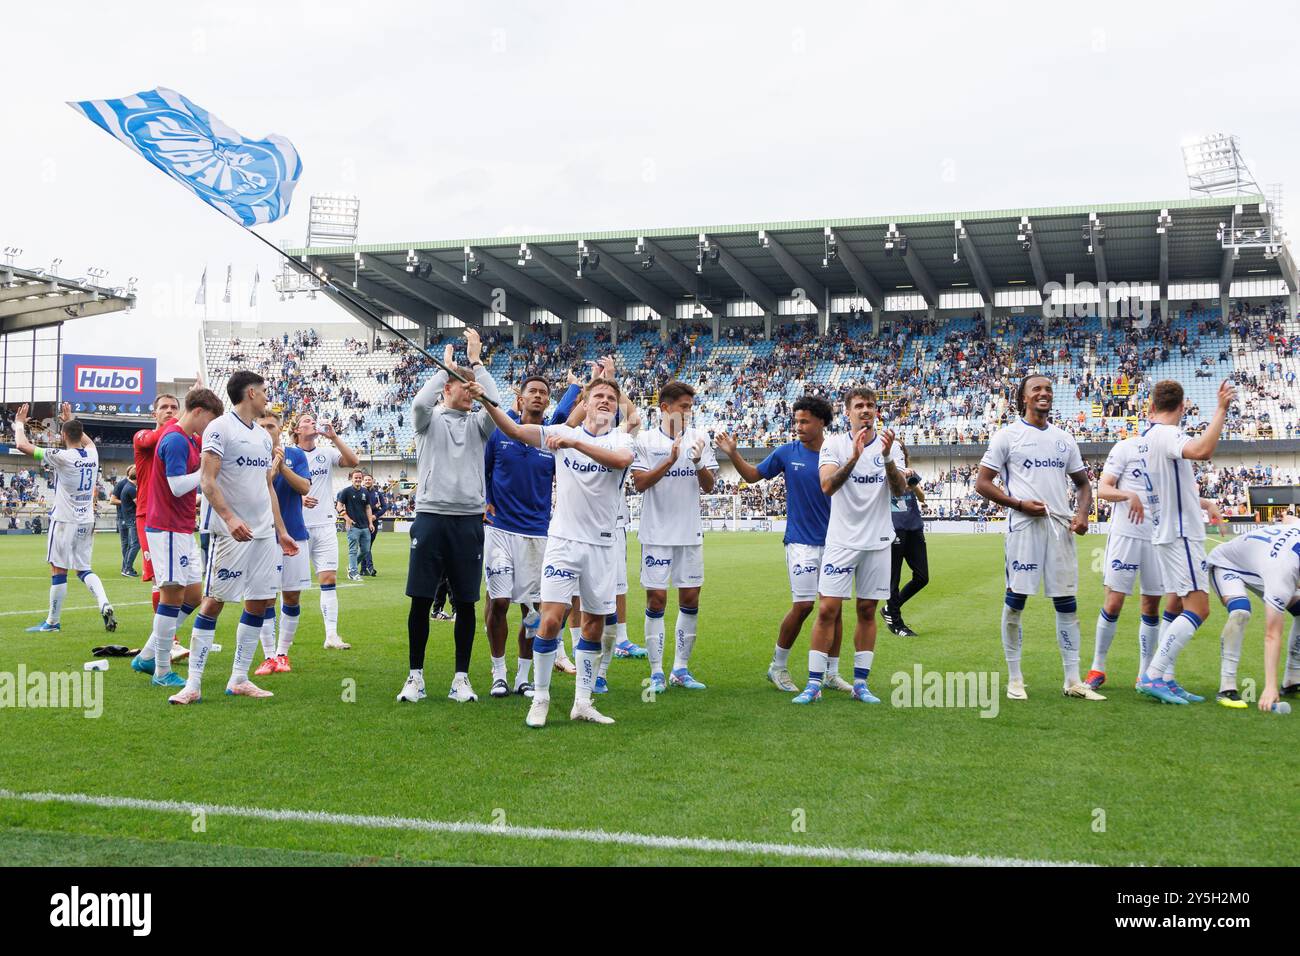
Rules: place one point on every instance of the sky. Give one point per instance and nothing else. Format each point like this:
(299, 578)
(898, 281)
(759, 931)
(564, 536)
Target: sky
(452, 120)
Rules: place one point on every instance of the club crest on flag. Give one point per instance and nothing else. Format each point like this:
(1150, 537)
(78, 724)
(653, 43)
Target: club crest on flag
(251, 181)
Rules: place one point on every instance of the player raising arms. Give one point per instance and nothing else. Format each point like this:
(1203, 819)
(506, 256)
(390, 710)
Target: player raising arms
(292, 482)
(1037, 461)
(518, 478)
(808, 509)
(1178, 527)
(319, 517)
(72, 520)
(591, 465)
(674, 465)
(239, 462)
(1267, 562)
(170, 526)
(143, 443)
(859, 469)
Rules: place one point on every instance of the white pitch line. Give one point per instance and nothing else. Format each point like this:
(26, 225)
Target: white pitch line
(639, 840)
(117, 604)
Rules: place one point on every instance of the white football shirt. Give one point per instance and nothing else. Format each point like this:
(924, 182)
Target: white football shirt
(75, 473)
(670, 511)
(1267, 559)
(1035, 463)
(1125, 465)
(322, 460)
(245, 453)
(860, 509)
(588, 495)
(1176, 496)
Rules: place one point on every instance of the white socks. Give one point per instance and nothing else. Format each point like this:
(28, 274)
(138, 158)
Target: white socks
(607, 638)
(780, 656)
(290, 615)
(91, 580)
(816, 667)
(246, 637)
(1175, 639)
(688, 619)
(1069, 637)
(1011, 640)
(588, 658)
(862, 664)
(1293, 655)
(58, 593)
(524, 671)
(1106, 628)
(1234, 632)
(654, 641)
(329, 609)
(205, 629)
(165, 621)
(1148, 641)
(498, 669)
(268, 632)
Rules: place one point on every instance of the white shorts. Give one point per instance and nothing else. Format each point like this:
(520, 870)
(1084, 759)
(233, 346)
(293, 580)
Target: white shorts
(803, 563)
(177, 560)
(69, 545)
(323, 545)
(848, 571)
(1229, 584)
(242, 570)
(620, 561)
(1127, 558)
(679, 566)
(1042, 551)
(1183, 567)
(512, 565)
(295, 570)
(577, 567)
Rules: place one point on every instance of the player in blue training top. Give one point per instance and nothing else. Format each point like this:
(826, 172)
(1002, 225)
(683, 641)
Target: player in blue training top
(292, 482)
(808, 510)
(518, 481)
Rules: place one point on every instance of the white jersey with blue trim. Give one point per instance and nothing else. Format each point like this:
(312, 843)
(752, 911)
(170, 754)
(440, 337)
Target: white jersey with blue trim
(860, 510)
(670, 510)
(1035, 464)
(1268, 560)
(75, 473)
(245, 452)
(1177, 498)
(588, 495)
(1126, 466)
(322, 460)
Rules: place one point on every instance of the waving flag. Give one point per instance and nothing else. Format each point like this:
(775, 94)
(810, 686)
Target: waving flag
(201, 297)
(250, 180)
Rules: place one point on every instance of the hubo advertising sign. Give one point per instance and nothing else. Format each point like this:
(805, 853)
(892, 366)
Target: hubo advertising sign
(112, 384)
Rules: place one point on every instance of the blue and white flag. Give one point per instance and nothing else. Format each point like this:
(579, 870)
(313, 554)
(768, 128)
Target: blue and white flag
(250, 180)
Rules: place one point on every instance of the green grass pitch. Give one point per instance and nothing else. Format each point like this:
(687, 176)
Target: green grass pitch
(1120, 782)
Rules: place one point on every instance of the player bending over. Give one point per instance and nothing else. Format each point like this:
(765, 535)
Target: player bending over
(169, 525)
(591, 464)
(859, 469)
(808, 510)
(238, 465)
(72, 520)
(1037, 461)
(1267, 562)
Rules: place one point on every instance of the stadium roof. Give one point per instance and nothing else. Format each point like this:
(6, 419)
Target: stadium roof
(33, 300)
(932, 253)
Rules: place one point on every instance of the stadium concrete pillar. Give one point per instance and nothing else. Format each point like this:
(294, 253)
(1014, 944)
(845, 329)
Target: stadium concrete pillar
(1164, 309)
(875, 323)
(767, 325)
(717, 328)
(988, 318)
(663, 327)
(1225, 306)
(518, 329)
(564, 331)
(932, 313)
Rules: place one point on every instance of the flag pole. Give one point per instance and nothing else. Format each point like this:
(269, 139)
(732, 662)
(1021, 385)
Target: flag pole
(325, 279)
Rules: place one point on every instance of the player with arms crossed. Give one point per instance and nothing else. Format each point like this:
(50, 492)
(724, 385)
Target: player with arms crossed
(671, 531)
(859, 470)
(591, 463)
(143, 443)
(318, 516)
(238, 465)
(72, 520)
(1037, 461)
(1178, 527)
(292, 482)
(169, 525)
(808, 510)
(518, 478)
(1267, 562)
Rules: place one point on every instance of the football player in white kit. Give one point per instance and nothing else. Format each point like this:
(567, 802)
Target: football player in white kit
(72, 520)
(1037, 461)
(860, 469)
(1130, 556)
(1266, 561)
(1178, 524)
(674, 465)
(248, 534)
(319, 516)
(591, 463)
